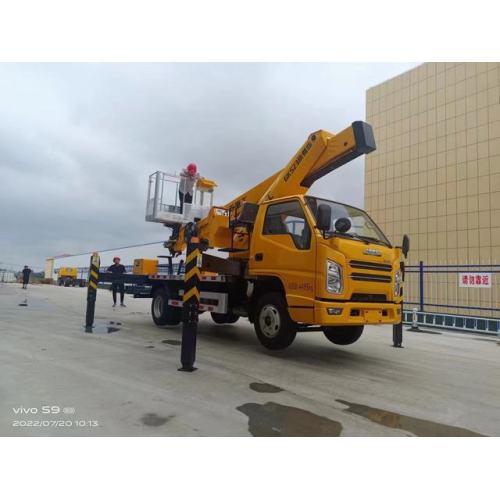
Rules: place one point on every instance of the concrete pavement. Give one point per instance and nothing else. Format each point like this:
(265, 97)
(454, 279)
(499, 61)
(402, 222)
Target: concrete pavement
(55, 380)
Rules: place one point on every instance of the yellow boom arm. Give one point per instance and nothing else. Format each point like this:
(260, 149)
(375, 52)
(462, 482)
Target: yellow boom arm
(320, 154)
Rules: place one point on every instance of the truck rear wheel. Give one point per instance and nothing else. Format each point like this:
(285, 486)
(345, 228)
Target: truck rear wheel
(226, 318)
(162, 313)
(273, 325)
(343, 335)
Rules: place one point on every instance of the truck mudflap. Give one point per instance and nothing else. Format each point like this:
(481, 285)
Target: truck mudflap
(357, 313)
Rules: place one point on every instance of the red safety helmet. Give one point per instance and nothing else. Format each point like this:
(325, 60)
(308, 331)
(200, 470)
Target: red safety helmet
(192, 168)
(114, 258)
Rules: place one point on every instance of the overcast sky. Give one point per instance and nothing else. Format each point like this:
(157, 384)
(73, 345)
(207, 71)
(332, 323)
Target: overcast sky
(78, 141)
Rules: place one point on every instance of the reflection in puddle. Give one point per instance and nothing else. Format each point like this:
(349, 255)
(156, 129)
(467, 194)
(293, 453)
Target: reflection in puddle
(101, 328)
(272, 419)
(417, 426)
(263, 387)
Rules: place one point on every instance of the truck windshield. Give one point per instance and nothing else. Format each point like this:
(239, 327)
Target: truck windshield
(362, 227)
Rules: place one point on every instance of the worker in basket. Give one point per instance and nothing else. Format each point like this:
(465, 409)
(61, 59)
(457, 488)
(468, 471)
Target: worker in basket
(189, 176)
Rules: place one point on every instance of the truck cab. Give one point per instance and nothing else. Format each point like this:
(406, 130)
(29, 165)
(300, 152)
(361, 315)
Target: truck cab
(332, 264)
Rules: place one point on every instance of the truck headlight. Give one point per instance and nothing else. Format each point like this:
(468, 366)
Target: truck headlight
(398, 282)
(333, 277)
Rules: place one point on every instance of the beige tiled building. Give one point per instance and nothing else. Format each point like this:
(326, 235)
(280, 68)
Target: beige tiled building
(436, 171)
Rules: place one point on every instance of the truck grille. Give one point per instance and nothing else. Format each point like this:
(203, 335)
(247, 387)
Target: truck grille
(375, 266)
(371, 277)
(368, 297)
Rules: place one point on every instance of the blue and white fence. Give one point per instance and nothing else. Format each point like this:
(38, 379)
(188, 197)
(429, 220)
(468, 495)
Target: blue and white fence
(456, 296)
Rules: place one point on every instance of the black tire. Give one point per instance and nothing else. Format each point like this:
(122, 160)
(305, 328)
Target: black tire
(343, 335)
(273, 325)
(222, 319)
(60, 282)
(161, 312)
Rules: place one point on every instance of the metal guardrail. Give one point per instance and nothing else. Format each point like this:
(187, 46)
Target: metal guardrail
(453, 322)
(426, 271)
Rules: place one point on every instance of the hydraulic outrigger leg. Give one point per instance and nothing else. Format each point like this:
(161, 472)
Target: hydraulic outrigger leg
(191, 300)
(93, 280)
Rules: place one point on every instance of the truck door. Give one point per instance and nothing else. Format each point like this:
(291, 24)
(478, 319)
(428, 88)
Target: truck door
(283, 246)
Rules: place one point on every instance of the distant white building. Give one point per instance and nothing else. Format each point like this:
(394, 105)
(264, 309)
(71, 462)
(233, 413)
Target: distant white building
(7, 276)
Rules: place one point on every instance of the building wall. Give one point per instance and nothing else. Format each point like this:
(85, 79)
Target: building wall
(49, 268)
(436, 172)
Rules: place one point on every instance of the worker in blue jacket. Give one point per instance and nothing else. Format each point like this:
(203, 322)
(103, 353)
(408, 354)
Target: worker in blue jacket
(117, 286)
(26, 276)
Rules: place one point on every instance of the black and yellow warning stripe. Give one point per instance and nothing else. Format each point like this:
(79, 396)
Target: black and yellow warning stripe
(94, 272)
(192, 273)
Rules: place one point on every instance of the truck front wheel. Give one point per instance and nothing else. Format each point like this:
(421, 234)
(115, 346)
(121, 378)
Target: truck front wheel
(162, 313)
(343, 335)
(273, 325)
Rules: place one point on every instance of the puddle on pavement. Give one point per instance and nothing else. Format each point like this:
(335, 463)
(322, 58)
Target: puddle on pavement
(417, 426)
(272, 419)
(103, 328)
(171, 342)
(154, 420)
(263, 387)
(34, 303)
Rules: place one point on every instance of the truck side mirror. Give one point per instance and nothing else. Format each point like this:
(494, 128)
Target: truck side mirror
(324, 217)
(405, 247)
(248, 213)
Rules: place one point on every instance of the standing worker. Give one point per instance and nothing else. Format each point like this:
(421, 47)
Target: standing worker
(117, 269)
(26, 276)
(189, 177)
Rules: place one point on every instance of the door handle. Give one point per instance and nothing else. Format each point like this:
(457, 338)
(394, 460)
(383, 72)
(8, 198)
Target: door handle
(259, 256)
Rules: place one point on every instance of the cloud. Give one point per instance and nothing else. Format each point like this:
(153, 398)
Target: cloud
(78, 141)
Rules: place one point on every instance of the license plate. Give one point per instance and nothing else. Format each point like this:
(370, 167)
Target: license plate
(372, 316)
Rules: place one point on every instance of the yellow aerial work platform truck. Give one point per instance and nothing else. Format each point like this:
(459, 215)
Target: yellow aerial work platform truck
(68, 276)
(295, 263)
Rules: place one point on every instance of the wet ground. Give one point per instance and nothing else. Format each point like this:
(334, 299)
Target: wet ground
(122, 379)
